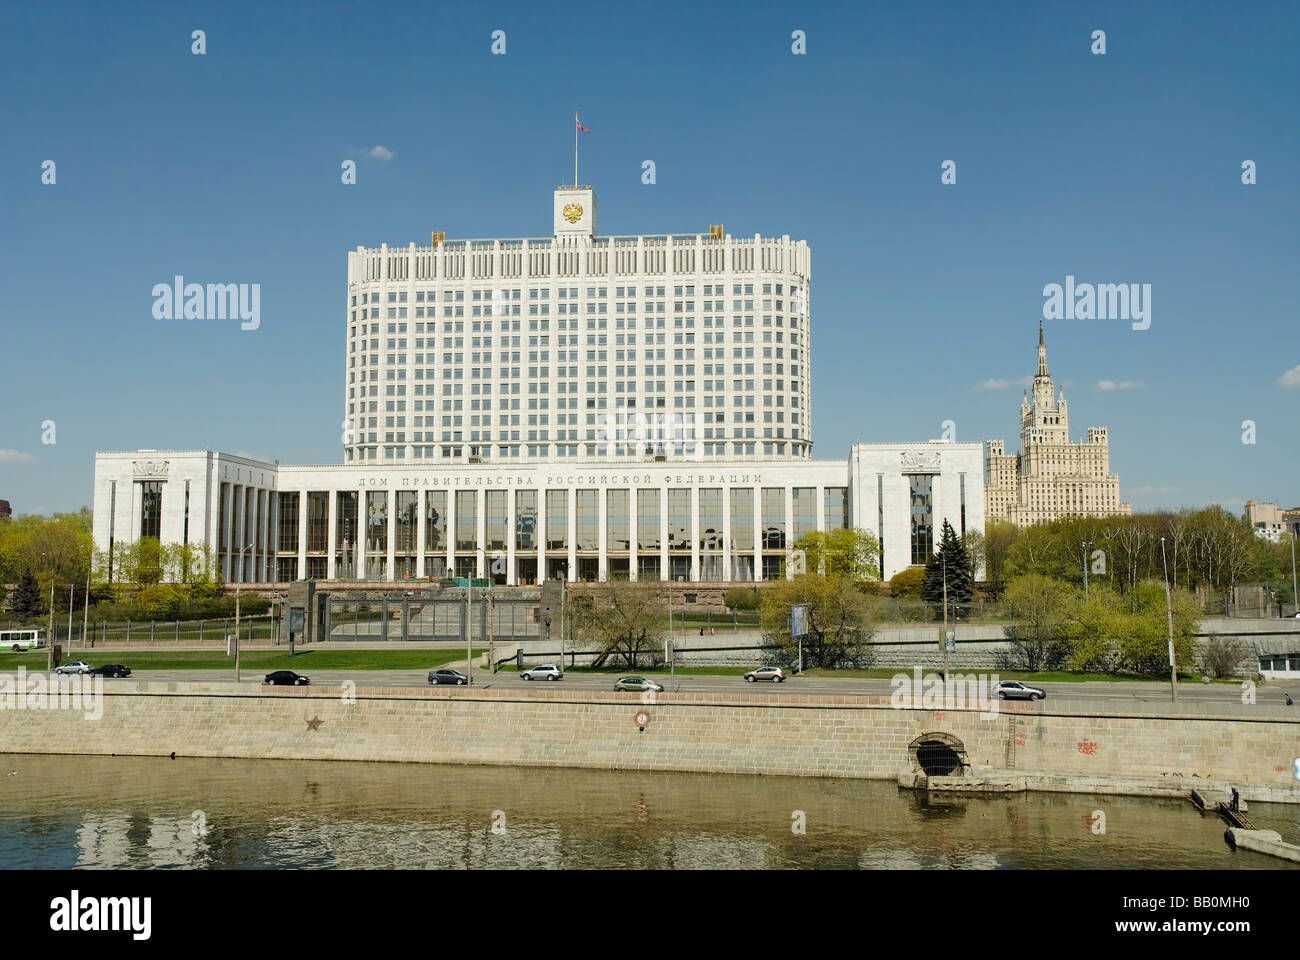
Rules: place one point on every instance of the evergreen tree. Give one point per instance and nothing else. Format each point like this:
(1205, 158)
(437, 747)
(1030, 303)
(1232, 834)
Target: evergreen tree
(951, 561)
(27, 597)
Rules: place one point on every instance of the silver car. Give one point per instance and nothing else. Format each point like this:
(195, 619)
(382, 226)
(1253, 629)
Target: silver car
(775, 674)
(547, 671)
(73, 666)
(1015, 690)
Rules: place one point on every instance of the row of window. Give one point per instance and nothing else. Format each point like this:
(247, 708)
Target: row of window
(364, 523)
(543, 293)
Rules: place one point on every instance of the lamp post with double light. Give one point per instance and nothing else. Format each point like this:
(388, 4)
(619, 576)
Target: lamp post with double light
(240, 561)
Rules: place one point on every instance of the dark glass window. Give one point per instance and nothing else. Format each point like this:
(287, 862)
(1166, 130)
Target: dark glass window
(151, 509)
(922, 493)
(289, 526)
(647, 525)
(525, 519)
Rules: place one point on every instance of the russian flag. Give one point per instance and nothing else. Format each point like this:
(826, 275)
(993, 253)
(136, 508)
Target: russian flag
(580, 126)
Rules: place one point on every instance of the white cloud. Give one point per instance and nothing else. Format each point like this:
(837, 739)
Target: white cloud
(1291, 378)
(380, 152)
(1120, 384)
(16, 456)
(995, 384)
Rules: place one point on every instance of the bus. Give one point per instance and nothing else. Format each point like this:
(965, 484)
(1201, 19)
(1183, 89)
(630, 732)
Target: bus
(22, 639)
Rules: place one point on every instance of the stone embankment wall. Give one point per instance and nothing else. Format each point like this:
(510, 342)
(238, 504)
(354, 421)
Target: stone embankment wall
(1252, 747)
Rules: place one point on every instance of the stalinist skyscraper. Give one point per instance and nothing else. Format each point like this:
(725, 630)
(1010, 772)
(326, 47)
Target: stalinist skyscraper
(1050, 477)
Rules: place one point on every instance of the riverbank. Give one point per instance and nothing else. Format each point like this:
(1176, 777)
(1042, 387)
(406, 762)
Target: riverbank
(1063, 745)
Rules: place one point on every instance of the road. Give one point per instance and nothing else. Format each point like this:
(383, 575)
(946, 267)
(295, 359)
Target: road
(1120, 691)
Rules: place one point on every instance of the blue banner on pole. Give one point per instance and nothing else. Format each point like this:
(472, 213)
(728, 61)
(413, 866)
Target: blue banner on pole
(799, 620)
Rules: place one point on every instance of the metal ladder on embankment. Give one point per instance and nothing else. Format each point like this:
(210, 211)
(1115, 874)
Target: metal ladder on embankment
(1234, 818)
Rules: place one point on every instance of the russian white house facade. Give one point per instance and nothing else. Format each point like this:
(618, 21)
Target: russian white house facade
(519, 523)
(575, 407)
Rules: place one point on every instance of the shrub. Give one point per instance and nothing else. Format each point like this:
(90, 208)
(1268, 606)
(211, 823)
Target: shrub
(1221, 656)
(906, 584)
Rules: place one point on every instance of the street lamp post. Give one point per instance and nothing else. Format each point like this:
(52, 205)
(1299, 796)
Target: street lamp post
(945, 619)
(1169, 614)
(1295, 597)
(238, 584)
(1085, 545)
(49, 643)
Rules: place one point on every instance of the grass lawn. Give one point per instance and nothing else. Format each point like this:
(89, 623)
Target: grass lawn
(655, 671)
(250, 659)
(1049, 676)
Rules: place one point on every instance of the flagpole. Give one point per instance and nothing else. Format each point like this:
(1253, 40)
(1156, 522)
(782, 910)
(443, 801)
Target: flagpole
(575, 148)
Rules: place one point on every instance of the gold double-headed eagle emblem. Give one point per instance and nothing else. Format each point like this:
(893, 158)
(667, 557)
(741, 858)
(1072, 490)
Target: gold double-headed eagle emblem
(572, 212)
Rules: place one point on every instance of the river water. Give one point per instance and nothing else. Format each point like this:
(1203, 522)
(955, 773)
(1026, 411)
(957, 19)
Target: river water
(139, 812)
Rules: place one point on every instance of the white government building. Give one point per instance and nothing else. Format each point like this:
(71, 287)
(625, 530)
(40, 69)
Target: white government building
(618, 407)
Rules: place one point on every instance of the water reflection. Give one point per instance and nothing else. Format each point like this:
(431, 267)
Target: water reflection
(145, 813)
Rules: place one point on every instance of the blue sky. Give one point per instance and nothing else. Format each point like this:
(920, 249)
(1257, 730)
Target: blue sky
(225, 168)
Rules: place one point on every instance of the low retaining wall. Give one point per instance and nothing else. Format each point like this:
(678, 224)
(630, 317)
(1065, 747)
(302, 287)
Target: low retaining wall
(756, 733)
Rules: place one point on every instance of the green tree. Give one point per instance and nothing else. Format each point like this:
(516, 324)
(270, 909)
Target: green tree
(1040, 606)
(1145, 637)
(27, 597)
(948, 572)
(1094, 628)
(140, 563)
(741, 598)
(839, 621)
(973, 543)
(999, 535)
(906, 584)
(624, 621)
(847, 552)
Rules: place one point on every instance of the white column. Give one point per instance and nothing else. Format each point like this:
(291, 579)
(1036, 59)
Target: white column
(726, 534)
(302, 535)
(420, 512)
(632, 534)
(480, 531)
(359, 539)
(788, 526)
(512, 575)
(451, 531)
(390, 497)
(602, 544)
(695, 534)
(332, 535)
(758, 533)
(237, 535)
(664, 573)
(541, 535)
(572, 496)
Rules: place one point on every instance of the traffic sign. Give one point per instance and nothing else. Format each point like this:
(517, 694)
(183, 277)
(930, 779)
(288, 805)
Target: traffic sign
(642, 719)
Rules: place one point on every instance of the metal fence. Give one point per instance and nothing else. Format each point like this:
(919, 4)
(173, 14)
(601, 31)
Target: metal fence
(430, 618)
(264, 628)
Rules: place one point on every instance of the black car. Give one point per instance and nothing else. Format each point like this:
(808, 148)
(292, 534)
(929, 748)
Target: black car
(286, 678)
(452, 677)
(111, 670)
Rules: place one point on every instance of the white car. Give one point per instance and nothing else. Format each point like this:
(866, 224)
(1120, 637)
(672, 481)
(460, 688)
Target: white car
(548, 671)
(73, 666)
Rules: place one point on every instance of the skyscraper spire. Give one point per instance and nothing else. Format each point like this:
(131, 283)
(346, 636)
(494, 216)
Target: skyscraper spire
(1042, 352)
